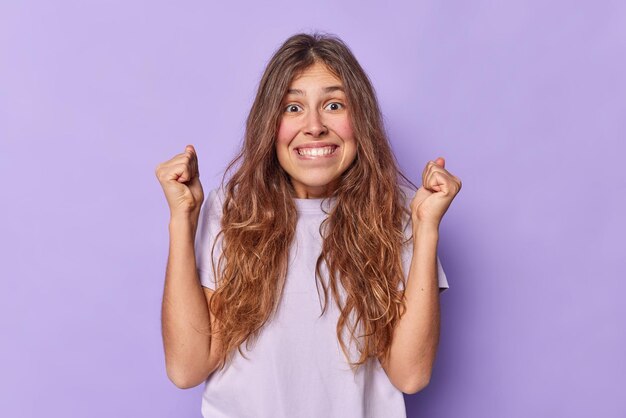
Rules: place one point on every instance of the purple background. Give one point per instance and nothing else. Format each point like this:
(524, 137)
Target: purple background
(526, 100)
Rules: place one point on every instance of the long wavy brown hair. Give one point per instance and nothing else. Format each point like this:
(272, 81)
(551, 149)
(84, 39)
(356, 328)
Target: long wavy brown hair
(363, 233)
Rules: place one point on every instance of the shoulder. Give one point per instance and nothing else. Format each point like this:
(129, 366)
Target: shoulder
(211, 211)
(216, 195)
(214, 202)
(406, 196)
(407, 192)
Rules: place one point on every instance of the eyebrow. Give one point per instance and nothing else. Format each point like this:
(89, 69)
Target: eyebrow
(329, 89)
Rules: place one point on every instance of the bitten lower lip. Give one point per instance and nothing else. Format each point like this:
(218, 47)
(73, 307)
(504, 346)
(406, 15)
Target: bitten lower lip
(315, 157)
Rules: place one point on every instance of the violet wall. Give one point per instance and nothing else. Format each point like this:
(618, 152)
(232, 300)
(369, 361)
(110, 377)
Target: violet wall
(526, 100)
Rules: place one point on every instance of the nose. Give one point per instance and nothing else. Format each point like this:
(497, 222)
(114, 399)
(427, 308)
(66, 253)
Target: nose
(314, 124)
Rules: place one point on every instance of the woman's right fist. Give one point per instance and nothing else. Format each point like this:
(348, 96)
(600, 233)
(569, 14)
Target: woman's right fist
(180, 180)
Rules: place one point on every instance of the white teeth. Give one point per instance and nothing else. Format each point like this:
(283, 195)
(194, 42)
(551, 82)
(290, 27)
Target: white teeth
(316, 152)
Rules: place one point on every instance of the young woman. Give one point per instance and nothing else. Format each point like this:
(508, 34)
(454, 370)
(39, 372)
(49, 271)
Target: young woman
(307, 284)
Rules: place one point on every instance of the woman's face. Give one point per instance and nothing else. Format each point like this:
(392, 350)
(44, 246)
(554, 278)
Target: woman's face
(315, 144)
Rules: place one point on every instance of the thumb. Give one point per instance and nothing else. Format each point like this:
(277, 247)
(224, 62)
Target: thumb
(440, 162)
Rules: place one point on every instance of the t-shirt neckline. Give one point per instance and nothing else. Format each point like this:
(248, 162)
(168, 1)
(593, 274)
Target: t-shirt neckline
(314, 205)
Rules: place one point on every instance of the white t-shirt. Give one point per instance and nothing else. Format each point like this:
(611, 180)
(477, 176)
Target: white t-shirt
(296, 368)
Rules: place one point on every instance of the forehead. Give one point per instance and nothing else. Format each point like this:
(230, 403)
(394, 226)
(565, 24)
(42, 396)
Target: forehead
(316, 74)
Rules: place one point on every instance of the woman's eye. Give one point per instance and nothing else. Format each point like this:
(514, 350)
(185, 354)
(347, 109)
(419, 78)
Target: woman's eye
(292, 108)
(335, 106)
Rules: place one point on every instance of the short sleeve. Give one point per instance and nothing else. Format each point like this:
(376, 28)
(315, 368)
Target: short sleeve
(407, 255)
(407, 249)
(209, 224)
(441, 276)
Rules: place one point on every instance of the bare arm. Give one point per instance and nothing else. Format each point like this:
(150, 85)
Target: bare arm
(416, 336)
(185, 317)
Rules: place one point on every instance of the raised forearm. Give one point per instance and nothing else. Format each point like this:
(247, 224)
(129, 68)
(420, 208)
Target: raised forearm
(185, 317)
(416, 335)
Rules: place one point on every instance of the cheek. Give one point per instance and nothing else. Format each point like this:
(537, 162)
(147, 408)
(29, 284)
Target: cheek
(285, 133)
(344, 129)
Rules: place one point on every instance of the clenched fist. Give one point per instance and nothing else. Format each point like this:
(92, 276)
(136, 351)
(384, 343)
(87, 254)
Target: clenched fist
(180, 180)
(439, 187)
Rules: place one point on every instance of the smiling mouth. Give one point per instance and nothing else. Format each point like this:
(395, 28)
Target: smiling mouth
(316, 152)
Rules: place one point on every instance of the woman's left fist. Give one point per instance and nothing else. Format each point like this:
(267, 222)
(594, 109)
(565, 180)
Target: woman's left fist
(439, 187)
